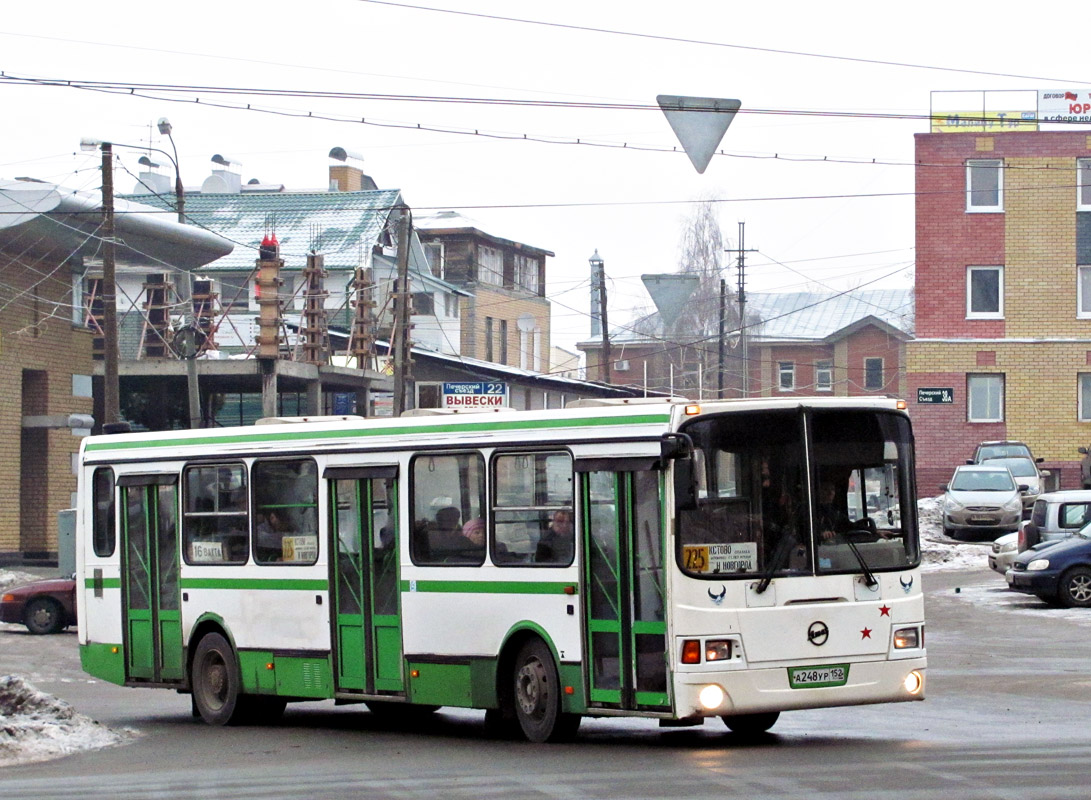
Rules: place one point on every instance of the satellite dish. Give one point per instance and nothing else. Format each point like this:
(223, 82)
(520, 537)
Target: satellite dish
(526, 323)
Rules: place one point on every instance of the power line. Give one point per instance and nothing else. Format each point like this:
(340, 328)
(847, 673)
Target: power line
(706, 43)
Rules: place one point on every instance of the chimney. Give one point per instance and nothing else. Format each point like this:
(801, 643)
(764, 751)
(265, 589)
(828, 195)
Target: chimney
(347, 178)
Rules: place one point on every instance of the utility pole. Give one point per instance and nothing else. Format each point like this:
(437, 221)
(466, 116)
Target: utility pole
(598, 312)
(401, 344)
(741, 298)
(110, 394)
(720, 365)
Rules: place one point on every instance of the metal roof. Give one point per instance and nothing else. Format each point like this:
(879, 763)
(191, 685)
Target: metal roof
(798, 316)
(40, 219)
(341, 226)
(450, 221)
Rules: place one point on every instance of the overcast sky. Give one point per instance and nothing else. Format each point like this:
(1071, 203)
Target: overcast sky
(818, 211)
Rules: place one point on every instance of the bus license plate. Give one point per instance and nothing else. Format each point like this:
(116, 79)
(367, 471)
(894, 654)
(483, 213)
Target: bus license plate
(818, 677)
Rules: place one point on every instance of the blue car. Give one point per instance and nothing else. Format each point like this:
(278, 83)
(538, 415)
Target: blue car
(1057, 572)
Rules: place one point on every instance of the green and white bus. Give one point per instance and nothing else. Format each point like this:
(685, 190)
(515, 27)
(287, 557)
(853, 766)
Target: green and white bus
(665, 559)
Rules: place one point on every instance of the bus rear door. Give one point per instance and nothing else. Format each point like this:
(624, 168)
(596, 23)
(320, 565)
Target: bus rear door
(150, 592)
(624, 583)
(367, 631)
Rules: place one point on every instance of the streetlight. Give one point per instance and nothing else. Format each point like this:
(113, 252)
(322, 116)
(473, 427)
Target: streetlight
(184, 286)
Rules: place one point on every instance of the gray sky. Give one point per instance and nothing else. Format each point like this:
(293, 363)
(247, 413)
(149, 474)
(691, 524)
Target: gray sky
(816, 208)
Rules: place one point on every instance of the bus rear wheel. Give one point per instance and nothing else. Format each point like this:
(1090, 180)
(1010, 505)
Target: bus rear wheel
(751, 724)
(537, 696)
(215, 681)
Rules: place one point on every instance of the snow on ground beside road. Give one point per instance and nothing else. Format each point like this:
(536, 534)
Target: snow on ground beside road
(940, 553)
(35, 726)
(10, 578)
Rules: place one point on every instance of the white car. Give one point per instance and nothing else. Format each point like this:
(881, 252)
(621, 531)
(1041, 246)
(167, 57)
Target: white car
(1056, 516)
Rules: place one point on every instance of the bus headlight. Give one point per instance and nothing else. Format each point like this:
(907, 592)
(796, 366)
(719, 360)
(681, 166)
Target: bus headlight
(914, 682)
(718, 650)
(711, 697)
(906, 637)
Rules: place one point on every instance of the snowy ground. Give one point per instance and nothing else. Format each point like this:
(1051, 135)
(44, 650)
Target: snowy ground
(35, 726)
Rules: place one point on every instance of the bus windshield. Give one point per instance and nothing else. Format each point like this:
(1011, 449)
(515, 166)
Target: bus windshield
(800, 492)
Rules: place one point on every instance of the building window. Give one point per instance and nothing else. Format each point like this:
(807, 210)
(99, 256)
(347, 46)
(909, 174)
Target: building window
(1083, 292)
(984, 293)
(491, 265)
(433, 252)
(488, 339)
(424, 304)
(1083, 184)
(873, 374)
(787, 373)
(526, 273)
(234, 292)
(985, 185)
(429, 395)
(1084, 400)
(823, 376)
(450, 306)
(503, 341)
(985, 398)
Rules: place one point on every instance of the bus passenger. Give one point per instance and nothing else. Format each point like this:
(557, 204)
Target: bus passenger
(268, 538)
(557, 544)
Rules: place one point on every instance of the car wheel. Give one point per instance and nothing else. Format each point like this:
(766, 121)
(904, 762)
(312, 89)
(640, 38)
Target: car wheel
(1075, 588)
(216, 682)
(751, 724)
(44, 615)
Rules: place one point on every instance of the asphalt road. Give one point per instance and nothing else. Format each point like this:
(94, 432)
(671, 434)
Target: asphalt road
(1009, 700)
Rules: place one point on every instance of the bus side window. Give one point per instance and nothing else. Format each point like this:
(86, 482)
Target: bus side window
(215, 515)
(447, 509)
(103, 513)
(532, 509)
(285, 511)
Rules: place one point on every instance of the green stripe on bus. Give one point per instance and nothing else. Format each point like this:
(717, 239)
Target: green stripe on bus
(292, 584)
(458, 427)
(489, 587)
(105, 583)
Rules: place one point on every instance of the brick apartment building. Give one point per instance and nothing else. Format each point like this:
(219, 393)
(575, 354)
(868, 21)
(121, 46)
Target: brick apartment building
(1003, 299)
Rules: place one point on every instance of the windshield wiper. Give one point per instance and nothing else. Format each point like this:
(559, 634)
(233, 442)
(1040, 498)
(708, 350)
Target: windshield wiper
(869, 576)
(780, 554)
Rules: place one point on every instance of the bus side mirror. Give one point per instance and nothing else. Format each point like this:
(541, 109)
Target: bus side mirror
(674, 446)
(685, 487)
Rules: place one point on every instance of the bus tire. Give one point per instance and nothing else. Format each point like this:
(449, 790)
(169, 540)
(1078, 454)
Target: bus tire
(216, 682)
(537, 696)
(751, 724)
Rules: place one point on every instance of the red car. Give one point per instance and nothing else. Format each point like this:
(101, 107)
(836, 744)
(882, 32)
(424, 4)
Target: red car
(45, 606)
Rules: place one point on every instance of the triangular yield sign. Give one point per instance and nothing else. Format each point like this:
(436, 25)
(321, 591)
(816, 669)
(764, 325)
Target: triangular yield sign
(669, 293)
(699, 123)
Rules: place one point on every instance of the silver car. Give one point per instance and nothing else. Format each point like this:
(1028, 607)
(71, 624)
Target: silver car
(1026, 473)
(981, 501)
(1056, 516)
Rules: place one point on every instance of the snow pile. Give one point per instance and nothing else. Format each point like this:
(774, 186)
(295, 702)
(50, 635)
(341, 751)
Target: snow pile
(937, 551)
(35, 726)
(13, 578)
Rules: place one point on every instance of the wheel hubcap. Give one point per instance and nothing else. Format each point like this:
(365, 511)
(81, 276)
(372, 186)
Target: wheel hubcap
(530, 688)
(1080, 589)
(43, 617)
(216, 683)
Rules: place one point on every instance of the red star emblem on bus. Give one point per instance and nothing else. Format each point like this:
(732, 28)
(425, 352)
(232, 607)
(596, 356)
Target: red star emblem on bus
(865, 633)
(884, 611)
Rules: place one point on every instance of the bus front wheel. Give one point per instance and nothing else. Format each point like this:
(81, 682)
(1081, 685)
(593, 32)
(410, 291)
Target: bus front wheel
(215, 681)
(537, 696)
(750, 724)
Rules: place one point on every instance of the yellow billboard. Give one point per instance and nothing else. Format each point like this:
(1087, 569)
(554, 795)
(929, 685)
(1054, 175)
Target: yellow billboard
(984, 121)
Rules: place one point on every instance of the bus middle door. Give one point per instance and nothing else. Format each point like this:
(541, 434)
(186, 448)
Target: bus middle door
(150, 591)
(366, 618)
(625, 600)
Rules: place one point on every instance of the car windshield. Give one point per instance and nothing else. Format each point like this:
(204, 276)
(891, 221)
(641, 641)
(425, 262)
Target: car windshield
(987, 451)
(993, 480)
(1019, 467)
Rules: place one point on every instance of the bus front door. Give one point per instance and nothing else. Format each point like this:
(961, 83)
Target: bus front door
(367, 631)
(153, 624)
(625, 593)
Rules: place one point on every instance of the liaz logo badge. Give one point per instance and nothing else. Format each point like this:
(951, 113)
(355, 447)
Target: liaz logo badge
(818, 633)
(907, 586)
